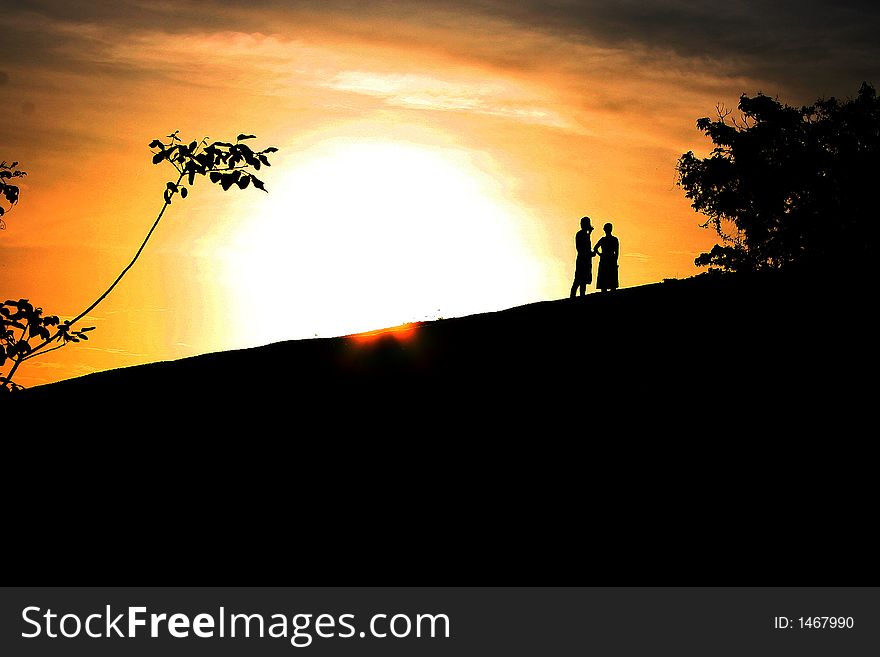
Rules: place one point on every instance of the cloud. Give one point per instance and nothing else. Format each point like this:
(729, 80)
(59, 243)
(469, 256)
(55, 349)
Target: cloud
(808, 48)
(432, 92)
(812, 47)
(802, 43)
(115, 352)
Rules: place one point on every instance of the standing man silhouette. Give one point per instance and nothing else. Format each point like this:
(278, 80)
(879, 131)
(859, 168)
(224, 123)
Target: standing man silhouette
(583, 269)
(608, 248)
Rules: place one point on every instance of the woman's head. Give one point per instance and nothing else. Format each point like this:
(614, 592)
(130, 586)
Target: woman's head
(585, 224)
(607, 228)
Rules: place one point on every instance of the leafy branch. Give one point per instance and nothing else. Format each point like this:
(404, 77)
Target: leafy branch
(25, 332)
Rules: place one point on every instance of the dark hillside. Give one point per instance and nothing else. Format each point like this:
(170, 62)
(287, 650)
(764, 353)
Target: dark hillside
(697, 357)
(689, 432)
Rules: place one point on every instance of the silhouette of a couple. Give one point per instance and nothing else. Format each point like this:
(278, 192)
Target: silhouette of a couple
(608, 250)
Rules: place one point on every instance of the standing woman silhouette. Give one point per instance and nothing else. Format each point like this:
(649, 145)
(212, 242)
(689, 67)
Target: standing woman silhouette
(583, 269)
(608, 248)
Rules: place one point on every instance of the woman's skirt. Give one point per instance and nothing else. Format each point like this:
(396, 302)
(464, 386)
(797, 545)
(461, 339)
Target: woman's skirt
(607, 276)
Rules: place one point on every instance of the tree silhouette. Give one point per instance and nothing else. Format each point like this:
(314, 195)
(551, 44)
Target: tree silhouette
(25, 332)
(787, 187)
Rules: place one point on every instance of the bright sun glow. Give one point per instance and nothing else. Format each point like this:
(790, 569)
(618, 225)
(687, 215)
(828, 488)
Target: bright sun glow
(361, 236)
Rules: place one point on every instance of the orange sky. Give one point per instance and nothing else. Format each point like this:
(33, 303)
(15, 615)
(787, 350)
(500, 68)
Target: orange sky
(435, 159)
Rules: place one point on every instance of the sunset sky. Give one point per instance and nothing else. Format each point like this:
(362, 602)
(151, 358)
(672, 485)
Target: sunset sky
(434, 160)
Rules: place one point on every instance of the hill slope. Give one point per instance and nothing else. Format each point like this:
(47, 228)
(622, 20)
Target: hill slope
(727, 350)
(686, 432)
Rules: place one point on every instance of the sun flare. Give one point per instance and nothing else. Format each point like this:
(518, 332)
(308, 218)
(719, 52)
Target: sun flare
(363, 235)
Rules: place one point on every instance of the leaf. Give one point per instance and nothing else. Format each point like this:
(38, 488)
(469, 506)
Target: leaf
(227, 180)
(156, 144)
(259, 183)
(244, 181)
(242, 137)
(171, 186)
(183, 192)
(158, 157)
(215, 176)
(11, 193)
(271, 149)
(192, 176)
